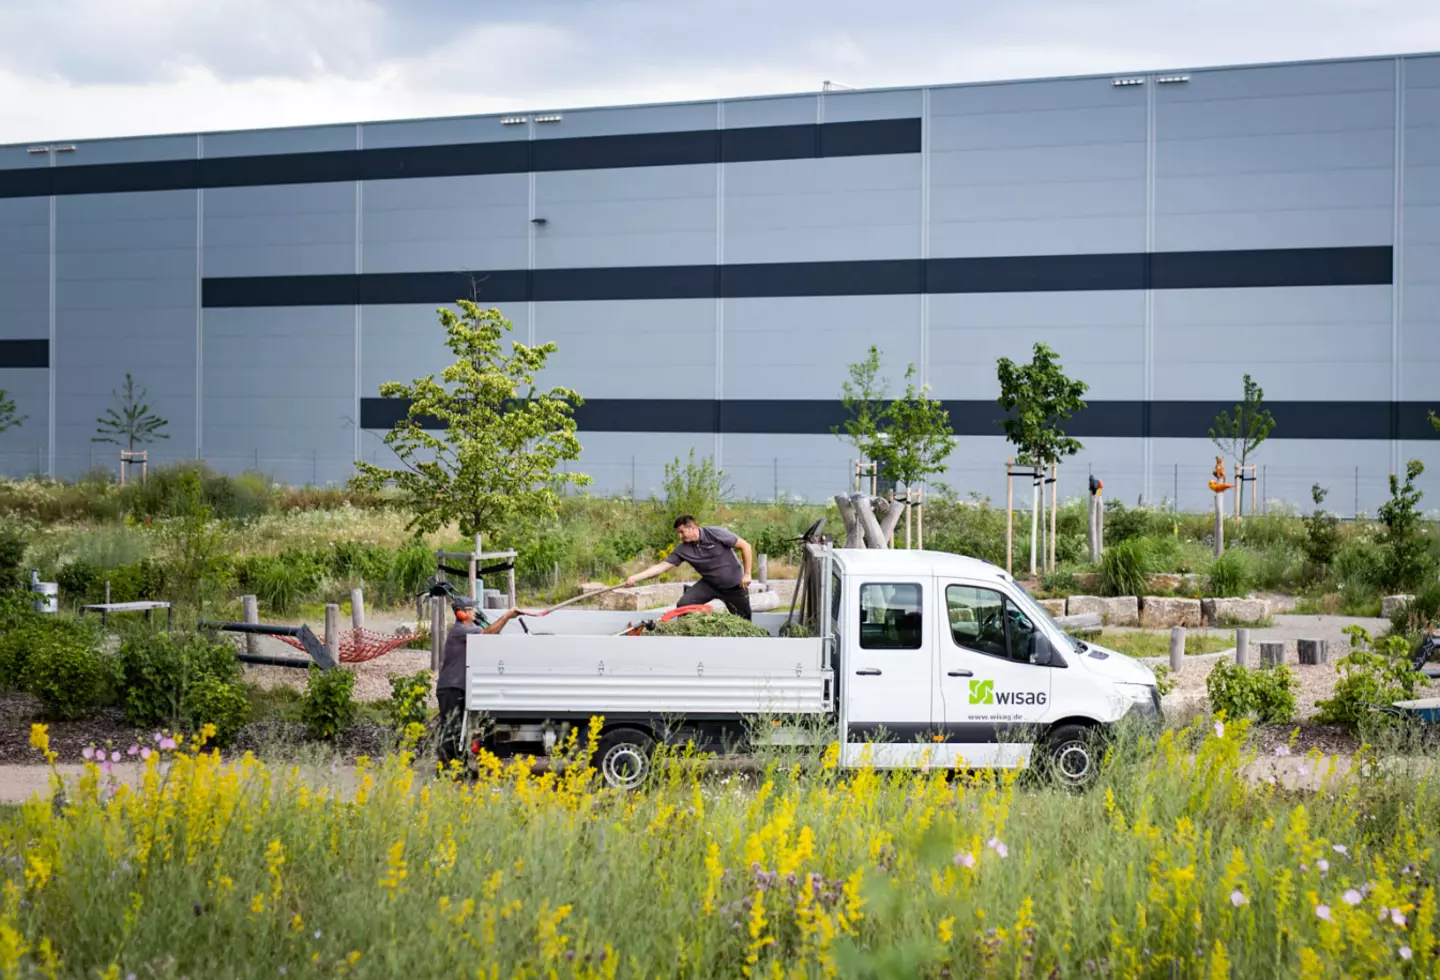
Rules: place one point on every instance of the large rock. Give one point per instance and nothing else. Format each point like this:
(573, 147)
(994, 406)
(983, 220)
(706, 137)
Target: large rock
(643, 597)
(1122, 611)
(1163, 582)
(1219, 612)
(1055, 607)
(1157, 612)
(1391, 604)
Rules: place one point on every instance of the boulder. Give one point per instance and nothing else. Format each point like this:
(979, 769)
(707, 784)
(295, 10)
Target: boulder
(1190, 583)
(1122, 611)
(1163, 582)
(643, 597)
(1218, 612)
(1055, 607)
(1157, 612)
(1391, 604)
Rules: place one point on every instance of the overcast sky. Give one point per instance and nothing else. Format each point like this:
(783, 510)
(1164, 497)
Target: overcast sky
(88, 68)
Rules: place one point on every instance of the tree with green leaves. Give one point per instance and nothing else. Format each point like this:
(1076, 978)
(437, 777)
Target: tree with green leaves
(1039, 399)
(1406, 562)
(1241, 433)
(492, 464)
(8, 418)
(916, 435)
(864, 396)
(132, 423)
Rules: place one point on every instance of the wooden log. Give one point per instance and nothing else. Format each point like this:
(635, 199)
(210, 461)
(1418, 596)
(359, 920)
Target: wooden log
(762, 569)
(1177, 648)
(332, 630)
(1242, 647)
(1219, 526)
(357, 608)
(1272, 653)
(1313, 653)
(437, 633)
(251, 606)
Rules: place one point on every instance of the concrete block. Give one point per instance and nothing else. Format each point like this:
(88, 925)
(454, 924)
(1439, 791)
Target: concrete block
(1079, 605)
(1157, 612)
(1391, 604)
(1055, 607)
(1163, 582)
(1121, 611)
(1220, 611)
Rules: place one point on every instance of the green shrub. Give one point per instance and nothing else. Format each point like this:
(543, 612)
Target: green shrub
(214, 702)
(690, 488)
(282, 582)
(21, 629)
(413, 566)
(230, 497)
(1267, 694)
(1419, 615)
(1229, 575)
(131, 583)
(1126, 523)
(155, 671)
(1406, 561)
(1322, 534)
(409, 699)
(63, 668)
(79, 581)
(12, 559)
(328, 706)
(1124, 566)
(964, 527)
(1374, 672)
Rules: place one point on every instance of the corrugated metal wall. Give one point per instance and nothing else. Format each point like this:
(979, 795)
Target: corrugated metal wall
(709, 270)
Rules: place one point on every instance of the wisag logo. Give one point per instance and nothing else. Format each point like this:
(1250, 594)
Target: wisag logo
(983, 692)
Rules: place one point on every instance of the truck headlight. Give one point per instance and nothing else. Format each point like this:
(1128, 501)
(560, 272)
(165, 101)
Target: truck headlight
(1137, 692)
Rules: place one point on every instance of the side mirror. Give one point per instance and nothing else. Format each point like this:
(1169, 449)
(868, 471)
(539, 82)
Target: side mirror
(1041, 652)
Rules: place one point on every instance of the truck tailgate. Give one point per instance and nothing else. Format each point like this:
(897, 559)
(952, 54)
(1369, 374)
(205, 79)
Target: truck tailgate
(553, 675)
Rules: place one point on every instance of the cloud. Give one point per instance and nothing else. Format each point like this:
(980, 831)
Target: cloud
(88, 68)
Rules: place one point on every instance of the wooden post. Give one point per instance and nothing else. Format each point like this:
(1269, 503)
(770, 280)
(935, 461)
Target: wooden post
(1242, 647)
(909, 496)
(437, 633)
(357, 608)
(251, 606)
(107, 592)
(1313, 653)
(475, 564)
(1177, 648)
(1100, 525)
(510, 583)
(762, 569)
(1219, 525)
(1239, 485)
(1035, 499)
(1092, 530)
(920, 518)
(1009, 517)
(1272, 653)
(332, 630)
(1054, 505)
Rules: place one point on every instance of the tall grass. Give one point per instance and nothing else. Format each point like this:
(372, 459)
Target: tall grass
(1124, 566)
(1185, 861)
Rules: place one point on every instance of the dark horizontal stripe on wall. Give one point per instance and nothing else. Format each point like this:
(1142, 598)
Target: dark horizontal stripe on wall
(1099, 420)
(24, 353)
(1366, 265)
(801, 142)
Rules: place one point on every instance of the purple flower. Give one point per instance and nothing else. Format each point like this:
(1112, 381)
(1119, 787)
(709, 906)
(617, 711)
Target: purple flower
(317, 933)
(1405, 953)
(1323, 912)
(168, 744)
(145, 753)
(996, 845)
(1323, 865)
(114, 756)
(105, 768)
(964, 859)
(1397, 917)
(156, 738)
(1237, 898)
(87, 753)
(133, 750)
(1282, 750)
(1353, 897)
(1219, 729)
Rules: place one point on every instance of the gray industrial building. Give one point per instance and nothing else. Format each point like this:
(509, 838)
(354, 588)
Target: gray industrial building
(709, 269)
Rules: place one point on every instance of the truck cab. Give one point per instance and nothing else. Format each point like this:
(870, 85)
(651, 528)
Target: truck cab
(913, 658)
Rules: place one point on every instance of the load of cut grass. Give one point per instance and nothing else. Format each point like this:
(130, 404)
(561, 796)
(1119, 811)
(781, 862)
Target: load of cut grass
(709, 624)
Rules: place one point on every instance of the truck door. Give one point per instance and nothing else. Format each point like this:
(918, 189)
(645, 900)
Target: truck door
(992, 697)
(888, 672)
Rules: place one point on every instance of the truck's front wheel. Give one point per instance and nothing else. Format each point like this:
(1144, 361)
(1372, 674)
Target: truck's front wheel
(623, 757)
(1074, 755)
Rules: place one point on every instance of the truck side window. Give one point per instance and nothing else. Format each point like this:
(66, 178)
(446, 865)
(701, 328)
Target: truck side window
(890, 617)
(979, 619)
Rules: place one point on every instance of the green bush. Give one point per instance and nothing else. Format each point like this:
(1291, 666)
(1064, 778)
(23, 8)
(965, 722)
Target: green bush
(1420, 615)
(214, 702)
(409, 699)
(1322, 534)
(1124, 566)
(1406, 562)
(1229, 575)
(21, 629)
(12, 559)
(1267, 694)
(1126, 523)
(79, 582)
(1374, 672)
(131, 583)
(328, 706)
(413, 566)
(282, 583)
(63, 668)
(231, 497)
(963, 527)
(154, 672)
(690, 488)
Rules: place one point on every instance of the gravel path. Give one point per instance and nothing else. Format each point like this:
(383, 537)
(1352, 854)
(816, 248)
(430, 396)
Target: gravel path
(1315, 683)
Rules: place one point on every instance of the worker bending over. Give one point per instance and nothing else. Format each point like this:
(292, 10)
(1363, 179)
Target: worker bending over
(450, 685)
(711, 552)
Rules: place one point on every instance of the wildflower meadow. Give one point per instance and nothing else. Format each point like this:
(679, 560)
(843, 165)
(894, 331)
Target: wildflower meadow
(1184, 861)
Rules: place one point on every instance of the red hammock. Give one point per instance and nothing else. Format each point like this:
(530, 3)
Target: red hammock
(359, 645)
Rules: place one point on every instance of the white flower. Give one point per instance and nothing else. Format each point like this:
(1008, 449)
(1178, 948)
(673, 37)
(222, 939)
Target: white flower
(1237, 898)
(996, 845)
(1397, 917)
(1353, 897)
(1322, 912)
(1219, 729)
(965, 860)
(1282, 750)
(1340, 849)
(1323, 865)
(1405, 953)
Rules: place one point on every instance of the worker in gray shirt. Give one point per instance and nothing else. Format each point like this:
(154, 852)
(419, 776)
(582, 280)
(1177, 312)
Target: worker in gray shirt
(450, 685)
(711, 552)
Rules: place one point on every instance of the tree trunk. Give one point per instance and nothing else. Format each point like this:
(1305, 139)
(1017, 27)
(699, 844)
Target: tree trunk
(1034, 518)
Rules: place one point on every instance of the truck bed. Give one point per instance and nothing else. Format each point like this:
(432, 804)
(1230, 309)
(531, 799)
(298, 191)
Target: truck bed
(510, 675)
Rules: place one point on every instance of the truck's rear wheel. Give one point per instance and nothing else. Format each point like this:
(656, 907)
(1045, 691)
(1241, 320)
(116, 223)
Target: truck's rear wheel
(623, 757)
(1074, 755)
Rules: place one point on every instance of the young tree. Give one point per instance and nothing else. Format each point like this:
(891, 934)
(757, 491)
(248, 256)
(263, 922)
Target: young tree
(917, 435)
(1406, 562)
(1241, 434)
(1039, 399)
(133, 424)
(8, 418)
(864, 397)
(493, 465)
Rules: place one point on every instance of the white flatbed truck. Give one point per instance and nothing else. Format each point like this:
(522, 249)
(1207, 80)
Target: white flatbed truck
(920, 657)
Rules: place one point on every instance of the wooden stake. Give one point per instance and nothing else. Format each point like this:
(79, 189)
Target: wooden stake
(251, 605)
(1054, 505)
(1009, 517)
(332, 630)
(357, 608)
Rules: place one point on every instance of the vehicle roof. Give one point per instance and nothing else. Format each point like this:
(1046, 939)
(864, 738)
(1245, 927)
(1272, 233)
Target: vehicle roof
(869, 561)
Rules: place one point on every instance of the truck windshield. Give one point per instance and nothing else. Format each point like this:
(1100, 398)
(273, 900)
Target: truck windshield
(1036, 611)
